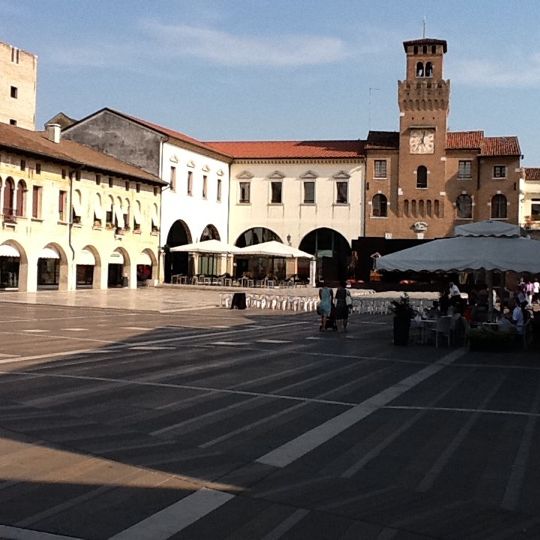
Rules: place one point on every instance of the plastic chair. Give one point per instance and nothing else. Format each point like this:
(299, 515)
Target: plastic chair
(443, 329)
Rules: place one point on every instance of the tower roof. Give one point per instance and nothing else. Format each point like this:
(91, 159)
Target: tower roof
(425, 41)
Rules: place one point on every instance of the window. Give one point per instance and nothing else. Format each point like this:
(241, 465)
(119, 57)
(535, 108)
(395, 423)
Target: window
(465, 169)
(12, 122)
(76, 207)
(190, 183)
(21, 198)
(380, 168)
(499, 171)
(14, 92)
(9, 193)
(15, 55)
(379, 206)
(244, 192)
(464, 206)
(204, 186)
(62, 200)
(218, 190)
(421, 177)
(23, 164)
(38, 168)
(406, 207)
(535, 210)
(419, 69)
(498, 207)
(37, 194)
(342, 192)
(276, 192)
(429, 69)
(309, 192)
(172, 181)
(98, 179)
(437, 208)
(111, 182)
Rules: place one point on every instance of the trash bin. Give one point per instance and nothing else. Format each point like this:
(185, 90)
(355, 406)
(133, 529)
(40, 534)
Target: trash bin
(238, 301)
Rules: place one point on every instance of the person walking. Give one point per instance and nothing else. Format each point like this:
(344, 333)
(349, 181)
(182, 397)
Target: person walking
(325, 305)
(343, 301)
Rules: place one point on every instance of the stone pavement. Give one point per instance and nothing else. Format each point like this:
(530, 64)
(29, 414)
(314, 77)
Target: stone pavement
(163, 299)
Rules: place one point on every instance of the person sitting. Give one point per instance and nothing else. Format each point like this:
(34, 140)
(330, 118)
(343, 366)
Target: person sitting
(433, 311)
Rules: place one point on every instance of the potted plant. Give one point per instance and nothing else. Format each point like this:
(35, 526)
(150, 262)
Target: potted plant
(403, 313)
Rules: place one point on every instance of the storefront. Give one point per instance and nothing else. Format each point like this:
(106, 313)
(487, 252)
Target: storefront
(9, 267)
(116, 270)
(48, 271)
(85, 269)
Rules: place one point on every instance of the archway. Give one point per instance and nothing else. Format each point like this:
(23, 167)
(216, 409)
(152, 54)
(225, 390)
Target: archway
(88, 268)
(118, 268)
(333, 254)
(177, 263)
(210, 232)
(52, 268)
(249, 265)
(13, 266)
(146, 267)
(209, 264)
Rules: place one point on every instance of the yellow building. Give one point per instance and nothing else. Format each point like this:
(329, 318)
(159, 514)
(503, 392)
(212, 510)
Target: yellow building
(18, 86)
(72, 216)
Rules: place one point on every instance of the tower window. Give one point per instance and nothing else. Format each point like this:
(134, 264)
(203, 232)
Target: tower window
(429, 69)
(433, 49)
(465, 169)
(14, 92)
(419, 69)
(424, 49)
(421, 177)
(415, 49)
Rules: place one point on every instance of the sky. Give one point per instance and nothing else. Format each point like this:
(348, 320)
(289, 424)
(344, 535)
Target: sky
(279, 69)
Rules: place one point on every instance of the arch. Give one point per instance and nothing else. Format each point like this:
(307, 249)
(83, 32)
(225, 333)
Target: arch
(428, 208)
(210, 232)
(13, 269)
(464, 206)
(421, 208)
(88, 275)
(429, 70)
(332, 252)
(256, 235)
(22, 190)
(406, 207)
(499, 207)
(437, 208)
(146, 266)
(421, 177)
(413, 208)
(52, 272)
(177, 263)
(118, 268)
(419, 69)
(9, 193)
(379, 206)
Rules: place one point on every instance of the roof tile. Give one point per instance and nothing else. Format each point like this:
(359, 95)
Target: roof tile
(532, 174)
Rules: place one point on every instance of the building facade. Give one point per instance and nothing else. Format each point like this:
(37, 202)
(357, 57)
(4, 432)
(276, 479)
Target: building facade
(424, 180)
(18, 85)
(195, 201)
(72, 217)
(530, 201)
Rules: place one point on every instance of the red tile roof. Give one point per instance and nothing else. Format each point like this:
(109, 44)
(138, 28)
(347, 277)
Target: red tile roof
(532, 174)
(500, 146)
(291, 149)
(36, 143)
(464, 140)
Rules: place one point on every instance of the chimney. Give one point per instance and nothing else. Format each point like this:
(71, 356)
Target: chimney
(54, 132)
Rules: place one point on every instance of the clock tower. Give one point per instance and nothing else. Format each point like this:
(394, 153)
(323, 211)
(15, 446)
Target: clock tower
(423, 104)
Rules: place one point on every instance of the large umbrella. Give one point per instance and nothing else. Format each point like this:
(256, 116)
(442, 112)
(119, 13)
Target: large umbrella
(486, 245)
(274, 249)
(207, 246)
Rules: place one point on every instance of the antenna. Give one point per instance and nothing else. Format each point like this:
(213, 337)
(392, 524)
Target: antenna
(371, 89)
(424, 28)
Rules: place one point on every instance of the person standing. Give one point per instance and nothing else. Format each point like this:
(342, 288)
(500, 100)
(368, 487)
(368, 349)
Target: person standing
(325, 305)
(342, 306)
(536, 290)
(454, 290)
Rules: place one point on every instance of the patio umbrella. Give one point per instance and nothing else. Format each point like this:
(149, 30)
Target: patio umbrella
(274, 249)
(486, 245)
(207, 246)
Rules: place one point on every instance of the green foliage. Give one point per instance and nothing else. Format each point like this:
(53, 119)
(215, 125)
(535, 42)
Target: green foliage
(402, 308)
(484, 338)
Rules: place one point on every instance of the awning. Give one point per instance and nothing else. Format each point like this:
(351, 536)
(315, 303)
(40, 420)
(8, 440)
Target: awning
(48, 253)
(116, 258)
(9, 251)
(98, 209)
(119, 217)
(86, 257)
(76, 204)
(144, 258)
(137, 214)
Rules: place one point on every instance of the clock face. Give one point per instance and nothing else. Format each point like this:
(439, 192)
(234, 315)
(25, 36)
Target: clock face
(422, 141)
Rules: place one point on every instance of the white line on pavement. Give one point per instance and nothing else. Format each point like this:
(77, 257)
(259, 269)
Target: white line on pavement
(26, 534)
(301, 445)
(176, 517)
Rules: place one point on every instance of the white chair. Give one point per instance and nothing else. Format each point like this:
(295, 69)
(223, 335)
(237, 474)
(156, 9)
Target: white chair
(443, 330)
